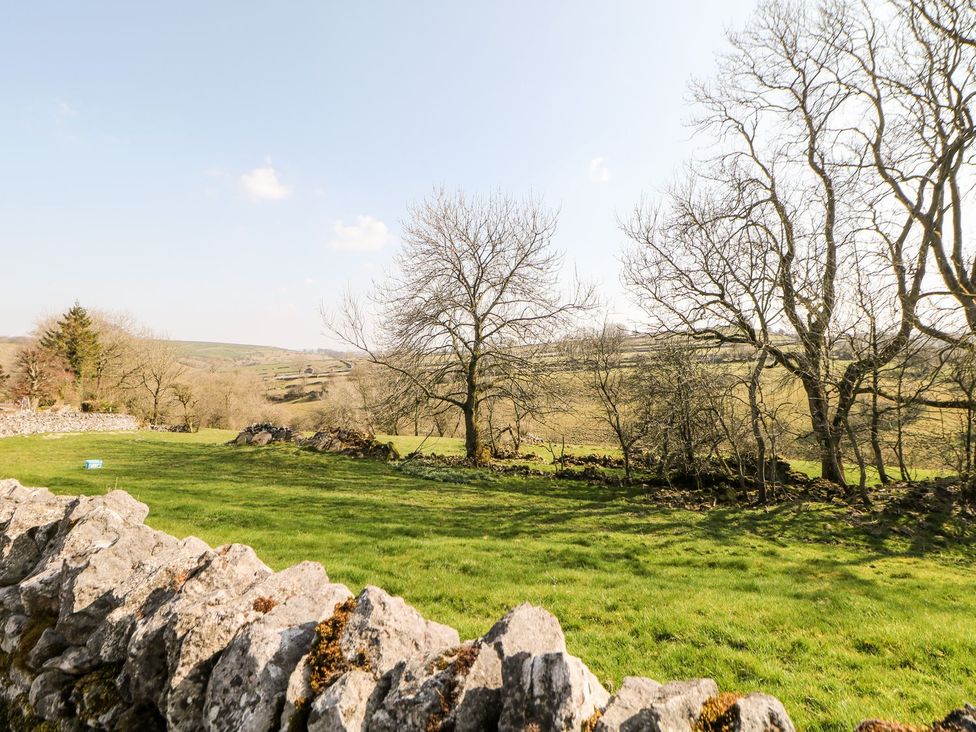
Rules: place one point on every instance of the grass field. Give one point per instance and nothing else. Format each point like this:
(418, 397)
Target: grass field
(841, 621)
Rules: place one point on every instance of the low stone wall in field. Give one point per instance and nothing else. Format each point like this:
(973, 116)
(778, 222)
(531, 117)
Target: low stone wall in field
(107, 624)
(31, 423)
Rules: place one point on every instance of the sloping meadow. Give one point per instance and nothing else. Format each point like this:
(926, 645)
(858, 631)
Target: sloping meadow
(109, 624)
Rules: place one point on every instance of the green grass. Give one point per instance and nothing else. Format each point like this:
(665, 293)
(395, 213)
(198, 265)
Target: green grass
(842, 623)
(853, 475)
(454, 446)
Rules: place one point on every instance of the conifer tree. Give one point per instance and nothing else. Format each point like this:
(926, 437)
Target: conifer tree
(74, 339)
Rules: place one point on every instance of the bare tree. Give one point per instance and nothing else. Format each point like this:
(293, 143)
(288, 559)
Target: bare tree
(762, 237)
(389, 399)
(684, 396)
(160, 370)
(37, 374)
(915, 73)
(184, 395)
(472, 305)
(617, 381)
(116, 366)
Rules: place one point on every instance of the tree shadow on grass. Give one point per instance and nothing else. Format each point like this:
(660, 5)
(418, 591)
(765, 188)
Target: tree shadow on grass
(292, 490)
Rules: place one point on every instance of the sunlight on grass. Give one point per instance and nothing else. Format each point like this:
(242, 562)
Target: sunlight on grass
(840, 623)
(853, 475)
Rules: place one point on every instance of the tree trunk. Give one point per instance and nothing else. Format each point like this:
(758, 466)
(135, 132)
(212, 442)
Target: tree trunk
(472, 437)
(900, 432)
(876, 430)
(861, 465)
(756, 422)
(968, 470)
(831, 463)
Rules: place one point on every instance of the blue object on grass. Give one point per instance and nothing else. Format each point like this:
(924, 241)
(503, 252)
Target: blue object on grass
(93, 464)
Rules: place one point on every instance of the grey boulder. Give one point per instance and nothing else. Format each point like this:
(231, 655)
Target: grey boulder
(645, 705)
(554, 691)
(247, 686)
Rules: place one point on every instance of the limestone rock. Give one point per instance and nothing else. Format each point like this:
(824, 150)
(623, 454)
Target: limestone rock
(76, 660)
(152, 581)
(387, 630)
(172, 650)
(759, 712)
(13, 629)
(959, 720)
(344, 705)
(49, 645)
(109, 624)
(524, 631)
(248, 683)
(417, 699)
(127, 507)
(92, 592)
(49, 694)
(26, 422)
(643, 704)
(382, 633)
(28, 526)
(554, 691)
(261, 439)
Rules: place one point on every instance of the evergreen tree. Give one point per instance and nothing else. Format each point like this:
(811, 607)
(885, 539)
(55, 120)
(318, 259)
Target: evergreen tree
(74, 339)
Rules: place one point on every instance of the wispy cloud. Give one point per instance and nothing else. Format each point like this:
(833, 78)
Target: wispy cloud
(599, 172)
(64, 109)
(263, 184)
(366, 235)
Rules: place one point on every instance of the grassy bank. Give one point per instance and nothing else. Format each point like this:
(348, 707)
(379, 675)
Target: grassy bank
(839, 620)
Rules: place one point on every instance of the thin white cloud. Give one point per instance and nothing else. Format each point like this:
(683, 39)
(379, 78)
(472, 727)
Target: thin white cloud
(367, 235)
(263, 184)
(64, 109)
(599, 172)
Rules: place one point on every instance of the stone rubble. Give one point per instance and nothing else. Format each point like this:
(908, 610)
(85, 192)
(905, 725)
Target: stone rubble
(108, 624)
(338, 440)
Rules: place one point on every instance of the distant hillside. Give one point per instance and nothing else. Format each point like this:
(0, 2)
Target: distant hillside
(289, 377)
(249, 352)
(8, 350)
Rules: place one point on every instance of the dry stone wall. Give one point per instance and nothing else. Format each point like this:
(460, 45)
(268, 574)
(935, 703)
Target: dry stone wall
(108, 624)
(31, 423)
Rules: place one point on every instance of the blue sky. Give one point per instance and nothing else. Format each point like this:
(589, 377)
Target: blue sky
(219, 169)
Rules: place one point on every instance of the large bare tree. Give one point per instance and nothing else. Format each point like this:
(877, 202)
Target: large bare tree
(763, 243)
(473, 303)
